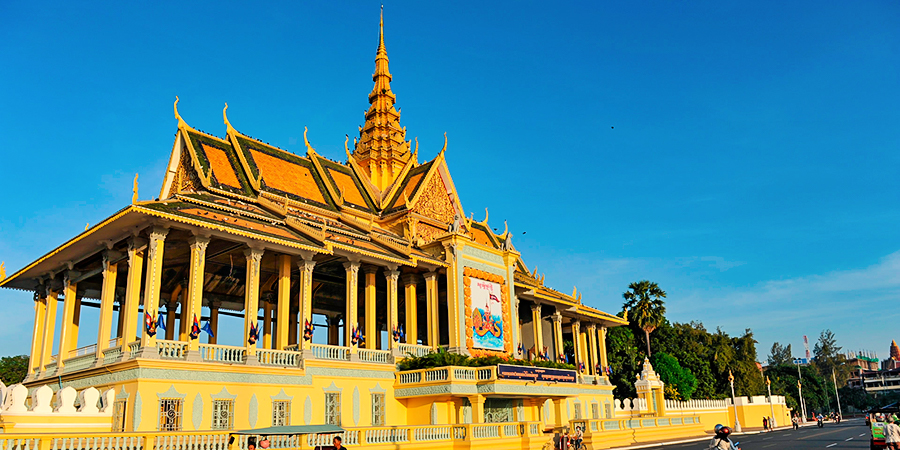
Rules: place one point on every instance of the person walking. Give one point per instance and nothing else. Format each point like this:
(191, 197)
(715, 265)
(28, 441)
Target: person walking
(891, 434)
(765, 423)
(795, 423)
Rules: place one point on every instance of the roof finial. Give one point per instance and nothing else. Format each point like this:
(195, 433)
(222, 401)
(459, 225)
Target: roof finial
(309, 148)
(347, 147)
(134, 189)
(381, 30)
(445, 144)
(2, 271)
(485, 216)
(225, 116)
(178, 116)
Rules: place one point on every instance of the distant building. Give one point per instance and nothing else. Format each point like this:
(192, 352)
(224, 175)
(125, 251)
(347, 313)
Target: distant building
(875, 378)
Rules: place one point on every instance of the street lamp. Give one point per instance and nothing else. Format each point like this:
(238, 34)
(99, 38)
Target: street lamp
(802, 405)
(737, 423)
(771, 408)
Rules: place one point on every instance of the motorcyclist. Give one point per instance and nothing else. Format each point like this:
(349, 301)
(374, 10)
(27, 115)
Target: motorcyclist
(821, 420)
(721, 441)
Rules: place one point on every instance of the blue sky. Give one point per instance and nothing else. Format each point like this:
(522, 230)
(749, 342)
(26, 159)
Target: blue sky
(743, 156)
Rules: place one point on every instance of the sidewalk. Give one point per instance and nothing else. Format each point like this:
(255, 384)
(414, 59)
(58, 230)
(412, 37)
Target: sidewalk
(748, 432)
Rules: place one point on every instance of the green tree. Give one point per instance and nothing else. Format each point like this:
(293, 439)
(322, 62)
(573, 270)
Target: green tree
(13, 369)
(784, 382)
(828, 358)
(673, 374)
(624, 360)
(643, 301)
(780, 355)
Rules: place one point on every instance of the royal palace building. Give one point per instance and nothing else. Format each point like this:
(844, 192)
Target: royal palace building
(328, 274)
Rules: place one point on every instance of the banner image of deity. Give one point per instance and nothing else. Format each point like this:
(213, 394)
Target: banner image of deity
(487, 315)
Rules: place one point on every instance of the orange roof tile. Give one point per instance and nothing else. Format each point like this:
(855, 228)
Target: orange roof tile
(221, 166)
(275, 230)
(348, 188)
(481, 237)
(287, 177)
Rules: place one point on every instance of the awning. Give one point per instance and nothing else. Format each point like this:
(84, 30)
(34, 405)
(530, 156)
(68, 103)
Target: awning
(291, 430)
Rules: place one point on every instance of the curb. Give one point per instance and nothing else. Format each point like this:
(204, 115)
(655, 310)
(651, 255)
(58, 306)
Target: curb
(702, 438)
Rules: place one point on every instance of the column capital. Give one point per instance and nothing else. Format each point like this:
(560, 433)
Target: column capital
(429, 276)
(255, 254)
(199, 242)
(392, 275)
(536, 307)
(352, 266)
(591, 326)
(576, 325)
(369, 269)
(306, 265)
(158, 233)
(557, 318)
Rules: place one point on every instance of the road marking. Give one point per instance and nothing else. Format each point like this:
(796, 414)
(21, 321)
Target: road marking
(767, 446)
(848, 439)
(862, 435)
(832, 445)
(766, 438)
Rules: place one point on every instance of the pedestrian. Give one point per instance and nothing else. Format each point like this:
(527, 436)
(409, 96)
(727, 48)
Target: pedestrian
(579, 438)
(795, 422)
(771, 424)
(891, 434)
(765, 423)
(338, 443)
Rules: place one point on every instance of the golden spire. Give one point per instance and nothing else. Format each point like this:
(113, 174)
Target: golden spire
(382, 149)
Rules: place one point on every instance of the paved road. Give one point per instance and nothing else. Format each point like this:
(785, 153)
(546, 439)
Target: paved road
(847, 434)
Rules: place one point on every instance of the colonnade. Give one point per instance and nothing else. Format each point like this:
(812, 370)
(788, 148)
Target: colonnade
(280, 326)
(589, 341)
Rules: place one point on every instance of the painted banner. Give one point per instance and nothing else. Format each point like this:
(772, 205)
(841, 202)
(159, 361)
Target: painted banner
(487, 315)
(535, 373)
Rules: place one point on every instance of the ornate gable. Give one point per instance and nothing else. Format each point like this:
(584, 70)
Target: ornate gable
(435, 201)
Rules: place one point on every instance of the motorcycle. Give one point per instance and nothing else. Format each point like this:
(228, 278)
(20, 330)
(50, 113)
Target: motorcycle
(820, 423)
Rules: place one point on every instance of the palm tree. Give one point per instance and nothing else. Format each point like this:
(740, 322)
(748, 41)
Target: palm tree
(643, 302)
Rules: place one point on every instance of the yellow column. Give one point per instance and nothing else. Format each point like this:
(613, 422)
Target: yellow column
(49, 328)
(213, 321)
(431, 309)
(392, 275)
(152, 285)
(557, 335)
(536, 327)
(412, 315)
(284, 301)
(477, 402)
(107, 298)
(372, 331)
(351, 318)
(40, 311)
(68, 318)
(559, 412)
(306, 278)
(132, 293)
(171, 307)
(602, 345)
(267, 324)
(576, 340)
(251, 300)
(592, 346)
(192, 300)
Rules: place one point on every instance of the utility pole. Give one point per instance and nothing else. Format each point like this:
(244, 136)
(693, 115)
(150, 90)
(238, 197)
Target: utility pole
(800, 393)
(771, 408)
(836, 394)
(737, 423)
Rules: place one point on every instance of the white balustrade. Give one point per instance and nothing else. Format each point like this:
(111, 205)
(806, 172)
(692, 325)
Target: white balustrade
(485, 431)
(171, 349)
(436, 433)
(415, 350)
(189, 442)
(133, 349)
(334, 352)
(511, 429)
(437, 374)
(410, 377)
(111, 355)
(221, 353)
(293, 348)
(348, 438)
(487, 373)
(269, 357)
(535, 429)
(459, 432)
(464, 373)
(375, 356)
(386, 435)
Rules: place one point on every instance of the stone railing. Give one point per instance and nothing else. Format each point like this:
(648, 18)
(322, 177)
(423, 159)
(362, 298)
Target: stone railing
(333, 352)
(15, 413)
(375, 356)
(79, 362)
(414, 349)
(222, 353)
(694, 405)
(601, 425)
(501, 435)
(171, 349)
(133, 349)
(278, 358)
(446, 374)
